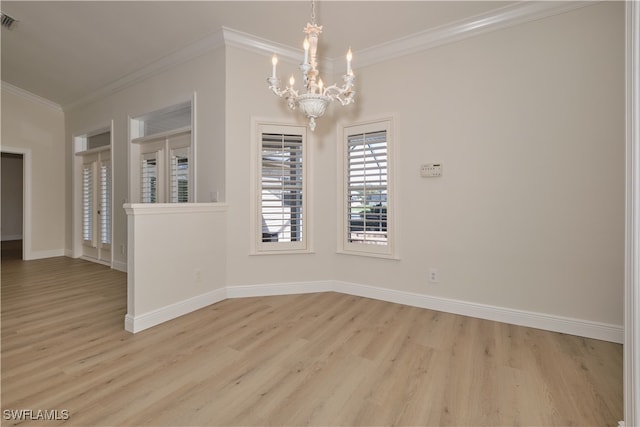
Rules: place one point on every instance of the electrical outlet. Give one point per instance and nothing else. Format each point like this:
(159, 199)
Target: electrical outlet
(197, 275)
(434, 275)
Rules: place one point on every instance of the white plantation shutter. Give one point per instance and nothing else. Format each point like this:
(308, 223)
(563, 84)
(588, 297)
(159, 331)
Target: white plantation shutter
(87, 203)
(105, 202)
(367, 187)
(94, 173)
(281, 188)
(169, 177)
(367, 196)
(166, 168)
(180, 173)
(149, 178)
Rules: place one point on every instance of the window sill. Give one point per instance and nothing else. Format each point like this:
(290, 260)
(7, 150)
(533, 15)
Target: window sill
(368, 254)
(283, 252)
(172, 208)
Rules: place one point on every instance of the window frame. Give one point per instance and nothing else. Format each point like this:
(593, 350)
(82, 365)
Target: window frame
(345, 246)
(258, 246)
(162, 148)
(93, 145)
(165, 143)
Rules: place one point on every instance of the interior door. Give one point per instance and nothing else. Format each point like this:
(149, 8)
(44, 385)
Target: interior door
(96, 206)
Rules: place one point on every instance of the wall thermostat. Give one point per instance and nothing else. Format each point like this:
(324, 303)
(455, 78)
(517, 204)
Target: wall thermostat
(430, 170)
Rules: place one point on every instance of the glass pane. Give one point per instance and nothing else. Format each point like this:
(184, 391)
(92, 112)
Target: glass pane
(282, 188)
(149, 185)
(367, 188)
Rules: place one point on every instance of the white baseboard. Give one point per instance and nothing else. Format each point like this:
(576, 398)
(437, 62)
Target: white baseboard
(45, 254)
(279, 289)
(146, 320)
(120, 266)
(567, 325)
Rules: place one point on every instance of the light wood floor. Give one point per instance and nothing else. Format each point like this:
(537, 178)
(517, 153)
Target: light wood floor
(316, 359)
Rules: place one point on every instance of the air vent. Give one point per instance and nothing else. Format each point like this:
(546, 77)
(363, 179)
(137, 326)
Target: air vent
(6, 21)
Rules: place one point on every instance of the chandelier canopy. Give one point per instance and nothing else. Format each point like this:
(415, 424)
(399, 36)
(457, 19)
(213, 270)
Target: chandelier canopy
(313, 103)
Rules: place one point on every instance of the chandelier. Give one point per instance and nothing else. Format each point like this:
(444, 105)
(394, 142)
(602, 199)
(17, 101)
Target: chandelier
(313, 103)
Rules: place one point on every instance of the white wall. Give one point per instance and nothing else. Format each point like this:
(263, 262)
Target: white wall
(529, 125)
(528, 122)
(29, 125)
(204, 76)
(248, 97)
(12, 202)
(176, 260)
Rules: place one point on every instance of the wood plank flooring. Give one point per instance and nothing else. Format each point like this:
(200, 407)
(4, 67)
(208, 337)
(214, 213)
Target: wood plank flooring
(316, 359)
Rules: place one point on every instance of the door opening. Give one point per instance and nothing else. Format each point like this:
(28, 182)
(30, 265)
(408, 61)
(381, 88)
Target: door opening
(12, 215)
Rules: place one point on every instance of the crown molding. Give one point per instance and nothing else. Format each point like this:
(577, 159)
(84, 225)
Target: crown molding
(15, 90)
(211, 42)
(260, 46)
(504, 17)
(496, 19)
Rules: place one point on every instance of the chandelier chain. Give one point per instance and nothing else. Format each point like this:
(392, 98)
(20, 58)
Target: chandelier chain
(313, 12)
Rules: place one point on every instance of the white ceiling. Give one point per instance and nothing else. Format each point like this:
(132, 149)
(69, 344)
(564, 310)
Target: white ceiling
(64, 51)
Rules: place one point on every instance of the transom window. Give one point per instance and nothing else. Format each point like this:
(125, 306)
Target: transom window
(163, 147)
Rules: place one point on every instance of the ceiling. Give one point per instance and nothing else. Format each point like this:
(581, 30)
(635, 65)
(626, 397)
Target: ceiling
(64, 51)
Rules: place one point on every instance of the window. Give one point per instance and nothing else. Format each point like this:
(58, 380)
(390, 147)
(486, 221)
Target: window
(280, 190)
(104, 211)
(367, 211)
(149, 174)
(162, 141)
(87, 203)
(96, 199)
(180, 175)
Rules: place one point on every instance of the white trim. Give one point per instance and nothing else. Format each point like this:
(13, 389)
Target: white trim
(93, 151)
(504, 17)
(388, 251)
(26, 198)
(280, 289)
(46, 254)
(257, 247)
(155, 317)
(255, 44)
(77, 159)
(95, 260)
(178, 57)
(15, 90)
(496, 19)
(161, 135)
(566, 325)
(632, 220)
(172, 208)
(120, 266)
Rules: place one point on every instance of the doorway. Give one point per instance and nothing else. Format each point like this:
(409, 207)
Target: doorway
(12, 203)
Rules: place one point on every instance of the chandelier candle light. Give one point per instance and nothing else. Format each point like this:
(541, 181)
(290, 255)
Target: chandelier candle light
(314, 102)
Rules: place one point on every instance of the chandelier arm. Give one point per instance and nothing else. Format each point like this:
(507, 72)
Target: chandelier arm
(342, 94)
(315, 99)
